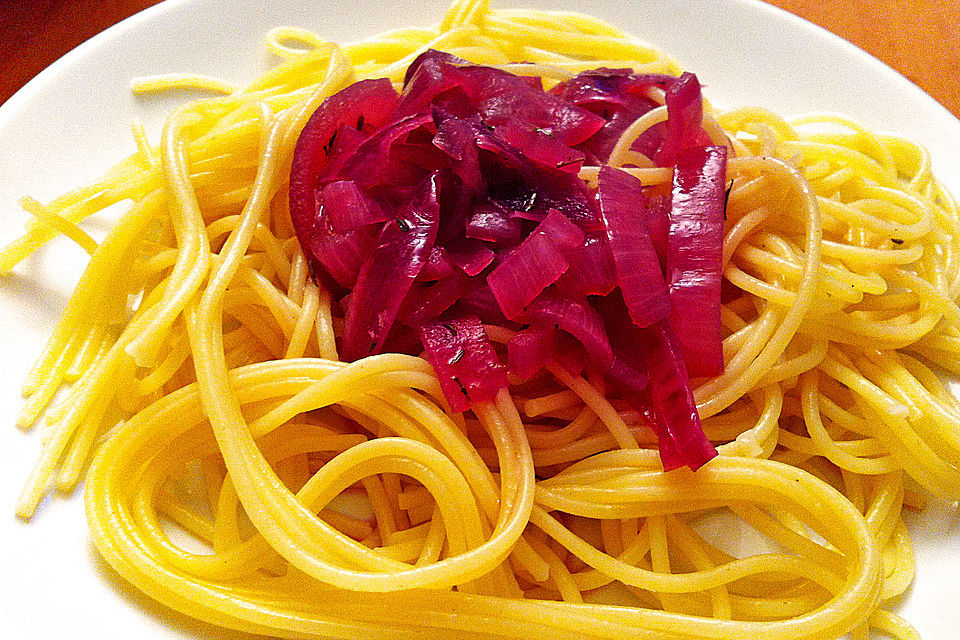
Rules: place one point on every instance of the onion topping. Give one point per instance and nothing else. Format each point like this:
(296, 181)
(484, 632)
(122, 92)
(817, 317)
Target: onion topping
(458, 203)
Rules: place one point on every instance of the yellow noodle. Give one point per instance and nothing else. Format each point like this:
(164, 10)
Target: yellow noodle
(168, 81)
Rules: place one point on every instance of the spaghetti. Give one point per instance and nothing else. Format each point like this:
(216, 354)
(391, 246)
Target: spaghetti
(544, 513)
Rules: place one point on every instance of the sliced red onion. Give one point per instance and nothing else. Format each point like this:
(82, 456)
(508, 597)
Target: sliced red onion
(348, 208)
(676, 421)
(694, 250)
(577, 318)
(466, 364)
(623, 207)
(535, 264)
(387, 274)
(530, 350)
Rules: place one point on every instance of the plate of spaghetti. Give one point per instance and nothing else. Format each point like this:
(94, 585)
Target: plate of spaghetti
(485, 322)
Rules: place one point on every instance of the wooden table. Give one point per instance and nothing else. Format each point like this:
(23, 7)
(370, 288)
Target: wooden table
(919, 38)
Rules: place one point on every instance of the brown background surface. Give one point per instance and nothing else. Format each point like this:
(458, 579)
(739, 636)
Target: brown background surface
(918, 38)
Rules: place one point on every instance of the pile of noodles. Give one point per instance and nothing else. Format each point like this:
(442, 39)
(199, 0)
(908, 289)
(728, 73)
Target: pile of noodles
(244, 476)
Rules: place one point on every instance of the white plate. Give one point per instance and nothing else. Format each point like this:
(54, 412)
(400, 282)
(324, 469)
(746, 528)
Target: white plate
(72, 122)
